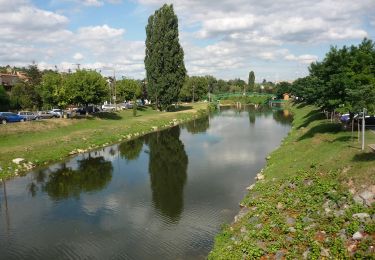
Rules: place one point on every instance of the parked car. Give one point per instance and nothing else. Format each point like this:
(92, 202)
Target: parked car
(108, 107)
(369, 120)
(56, 112)
(8, 117)
(345, 118)
(45, 115)
(29, 115)
(126, 105)
(90, 109)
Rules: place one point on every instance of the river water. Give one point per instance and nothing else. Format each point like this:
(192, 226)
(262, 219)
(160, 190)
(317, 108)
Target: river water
(162, 196)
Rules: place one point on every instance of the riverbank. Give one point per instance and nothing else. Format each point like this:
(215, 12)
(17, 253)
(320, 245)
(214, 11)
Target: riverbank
(45, 141)
(314, 199)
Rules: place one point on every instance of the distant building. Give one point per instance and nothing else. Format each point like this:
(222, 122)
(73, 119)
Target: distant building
(8, 80)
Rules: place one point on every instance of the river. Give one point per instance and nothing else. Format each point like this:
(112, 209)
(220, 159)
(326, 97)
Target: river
(161, 196)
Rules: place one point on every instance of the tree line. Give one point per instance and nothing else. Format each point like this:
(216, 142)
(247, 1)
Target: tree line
(344, 81)
(50, 89)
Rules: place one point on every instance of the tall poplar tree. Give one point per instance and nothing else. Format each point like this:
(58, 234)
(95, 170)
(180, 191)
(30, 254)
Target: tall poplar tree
(164, 61)
(251, 81)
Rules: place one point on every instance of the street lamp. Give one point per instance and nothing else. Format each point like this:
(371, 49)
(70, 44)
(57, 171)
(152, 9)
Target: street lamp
(113, 84)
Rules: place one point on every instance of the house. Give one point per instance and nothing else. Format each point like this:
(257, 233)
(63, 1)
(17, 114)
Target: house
(286, 96)
(8, 80)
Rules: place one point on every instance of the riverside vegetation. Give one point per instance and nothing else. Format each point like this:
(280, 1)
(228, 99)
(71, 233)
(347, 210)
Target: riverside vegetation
(313, 200)
(45, 141)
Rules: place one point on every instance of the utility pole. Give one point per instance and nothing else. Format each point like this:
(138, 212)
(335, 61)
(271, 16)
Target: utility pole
(363, 129)
(78, 65)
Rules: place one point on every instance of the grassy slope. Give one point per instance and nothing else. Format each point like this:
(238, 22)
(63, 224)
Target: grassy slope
(304, 207)
(44, 141)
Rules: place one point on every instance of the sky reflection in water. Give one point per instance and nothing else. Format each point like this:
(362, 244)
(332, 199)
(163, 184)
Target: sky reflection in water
(162, 196)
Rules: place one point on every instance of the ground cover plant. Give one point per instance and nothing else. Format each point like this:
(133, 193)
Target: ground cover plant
(313, 200)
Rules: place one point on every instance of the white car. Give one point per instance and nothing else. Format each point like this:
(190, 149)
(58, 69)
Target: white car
(56, 112)
(108, 107)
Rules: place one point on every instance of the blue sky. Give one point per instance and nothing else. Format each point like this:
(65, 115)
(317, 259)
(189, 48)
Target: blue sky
(224, 38)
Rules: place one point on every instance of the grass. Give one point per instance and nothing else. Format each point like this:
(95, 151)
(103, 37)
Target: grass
(304, 207)
(45, 141)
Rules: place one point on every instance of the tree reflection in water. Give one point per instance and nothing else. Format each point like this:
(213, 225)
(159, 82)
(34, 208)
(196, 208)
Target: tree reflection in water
(284, 117)
(131, 150)
(167, 167)
(199, 125)
(92, 174)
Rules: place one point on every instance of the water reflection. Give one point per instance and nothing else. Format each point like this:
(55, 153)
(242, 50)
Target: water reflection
(252, 116)
(197, 126)
(92, 174)
(131, 150)
(162, 196)
(282, 116)
(167, 167)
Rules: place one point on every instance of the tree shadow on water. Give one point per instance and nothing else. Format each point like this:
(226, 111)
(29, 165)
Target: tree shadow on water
(322, 128)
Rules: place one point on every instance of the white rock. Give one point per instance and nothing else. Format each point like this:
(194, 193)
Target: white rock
(251, 187)
(361, 216)
(357, 235)
(324, 252)
(18, 160)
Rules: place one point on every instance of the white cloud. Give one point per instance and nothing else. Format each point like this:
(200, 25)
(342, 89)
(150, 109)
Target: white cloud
(92, 2)
(305, 59)
(28, 34)
(78, 56)
(103, 32)
(225, 38)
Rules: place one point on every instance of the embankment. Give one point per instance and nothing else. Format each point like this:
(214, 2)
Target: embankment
(314, 198)
(41, 142)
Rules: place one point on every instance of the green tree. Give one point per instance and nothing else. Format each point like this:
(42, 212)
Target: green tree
(164, 60)
(222, 86)
(340, 81)
(251, 81)
(19, 96)
(194, 86)
(4, 99)
(34, 74)
(85, 87)
(281, 88)
(51, 90)
(211, 84)
(127, 88)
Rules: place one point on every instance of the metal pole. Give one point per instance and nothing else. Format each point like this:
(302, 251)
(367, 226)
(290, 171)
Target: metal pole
(363, 129)
(114, 84)
(193, 93)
